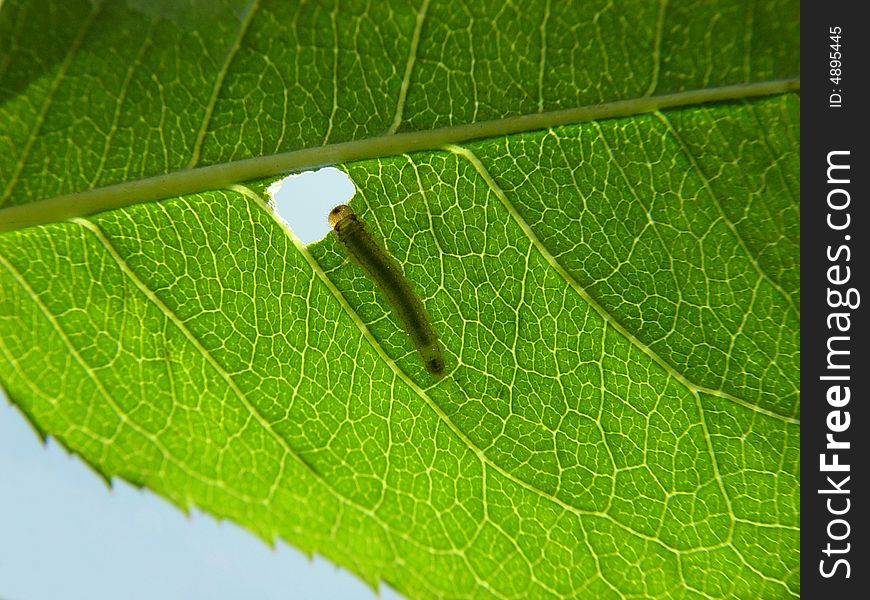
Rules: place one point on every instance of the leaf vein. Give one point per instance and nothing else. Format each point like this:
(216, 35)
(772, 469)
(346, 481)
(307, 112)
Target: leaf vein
(93, 376)
(728, 223)
(46, 104)
(409, 67)
(575, 285)
(219, 82)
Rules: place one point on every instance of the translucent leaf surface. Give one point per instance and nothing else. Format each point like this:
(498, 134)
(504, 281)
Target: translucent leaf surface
(612, 267)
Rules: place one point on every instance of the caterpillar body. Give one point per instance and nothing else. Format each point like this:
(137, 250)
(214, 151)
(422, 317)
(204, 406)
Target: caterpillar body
(387, 275)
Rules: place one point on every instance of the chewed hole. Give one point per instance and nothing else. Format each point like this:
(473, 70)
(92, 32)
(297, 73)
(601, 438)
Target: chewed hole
(304, 200)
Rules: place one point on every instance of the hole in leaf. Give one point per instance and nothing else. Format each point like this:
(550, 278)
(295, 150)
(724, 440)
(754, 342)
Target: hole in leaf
(304, 199)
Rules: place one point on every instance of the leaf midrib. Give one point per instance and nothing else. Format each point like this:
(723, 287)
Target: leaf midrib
(188, 181)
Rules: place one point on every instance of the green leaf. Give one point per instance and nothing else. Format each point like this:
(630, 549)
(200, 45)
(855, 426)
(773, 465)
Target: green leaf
(598, 204)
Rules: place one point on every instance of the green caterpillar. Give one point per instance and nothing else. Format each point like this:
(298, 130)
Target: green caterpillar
(387, 275)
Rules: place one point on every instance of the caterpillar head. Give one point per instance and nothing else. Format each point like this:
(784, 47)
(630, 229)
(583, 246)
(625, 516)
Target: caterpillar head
(339, 214)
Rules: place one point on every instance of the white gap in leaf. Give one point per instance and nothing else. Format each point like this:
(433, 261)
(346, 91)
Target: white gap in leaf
(304, 199)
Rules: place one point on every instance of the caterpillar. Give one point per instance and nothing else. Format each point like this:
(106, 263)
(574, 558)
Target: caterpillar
(387, 275)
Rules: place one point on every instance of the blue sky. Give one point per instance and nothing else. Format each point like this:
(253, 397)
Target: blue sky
(64, 534)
